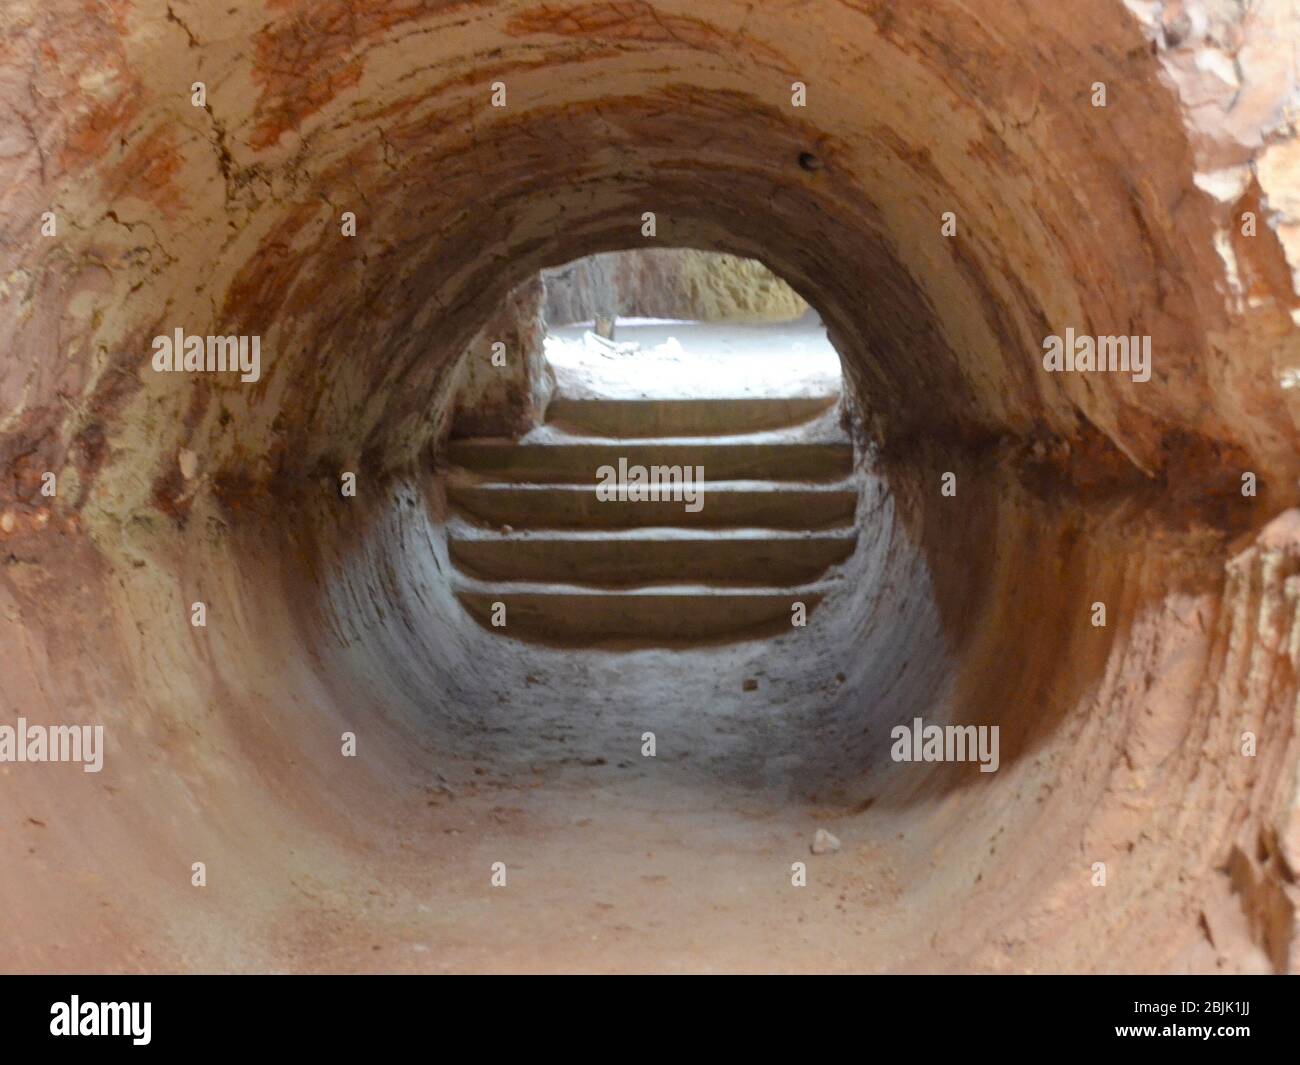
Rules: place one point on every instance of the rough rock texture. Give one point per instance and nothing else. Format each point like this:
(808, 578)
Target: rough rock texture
(502, 383)
(1120, 745)
(668, 283)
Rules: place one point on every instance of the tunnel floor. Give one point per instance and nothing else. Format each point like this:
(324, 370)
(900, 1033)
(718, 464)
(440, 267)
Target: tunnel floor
(640, 862)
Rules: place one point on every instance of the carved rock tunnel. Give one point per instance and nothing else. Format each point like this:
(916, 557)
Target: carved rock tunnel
(1120, 744)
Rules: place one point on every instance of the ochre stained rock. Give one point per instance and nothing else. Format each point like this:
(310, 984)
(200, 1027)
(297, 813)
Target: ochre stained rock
(1171, 212)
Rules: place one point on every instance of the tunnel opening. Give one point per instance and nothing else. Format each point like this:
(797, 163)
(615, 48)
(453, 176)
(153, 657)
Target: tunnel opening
(249, 583)
(652, 491)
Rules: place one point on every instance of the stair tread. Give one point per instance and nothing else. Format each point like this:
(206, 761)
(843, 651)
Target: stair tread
(551, 462)
(750, 504)
(607, 561)
(549, 434)
(750, 485)
(681, 616)
(646, 416)
(470, 586)
(738, 442)
(464, 531)
(827, 395)
(822, 399)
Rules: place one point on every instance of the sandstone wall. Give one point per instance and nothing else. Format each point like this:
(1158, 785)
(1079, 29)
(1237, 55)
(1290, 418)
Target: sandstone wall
(502, 391)
(668, 283)
(1173, 211)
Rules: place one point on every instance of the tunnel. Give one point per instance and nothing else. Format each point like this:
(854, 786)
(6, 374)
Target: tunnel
(315, 758)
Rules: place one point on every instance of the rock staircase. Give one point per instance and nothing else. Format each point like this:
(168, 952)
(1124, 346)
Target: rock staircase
(530, 532)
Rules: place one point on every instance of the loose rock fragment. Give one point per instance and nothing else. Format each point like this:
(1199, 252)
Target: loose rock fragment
(825, 843)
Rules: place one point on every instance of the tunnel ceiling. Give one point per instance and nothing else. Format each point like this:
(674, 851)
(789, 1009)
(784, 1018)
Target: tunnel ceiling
(226, 217)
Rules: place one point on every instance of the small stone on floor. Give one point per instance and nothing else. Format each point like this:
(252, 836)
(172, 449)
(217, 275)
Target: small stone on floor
(825, 843)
